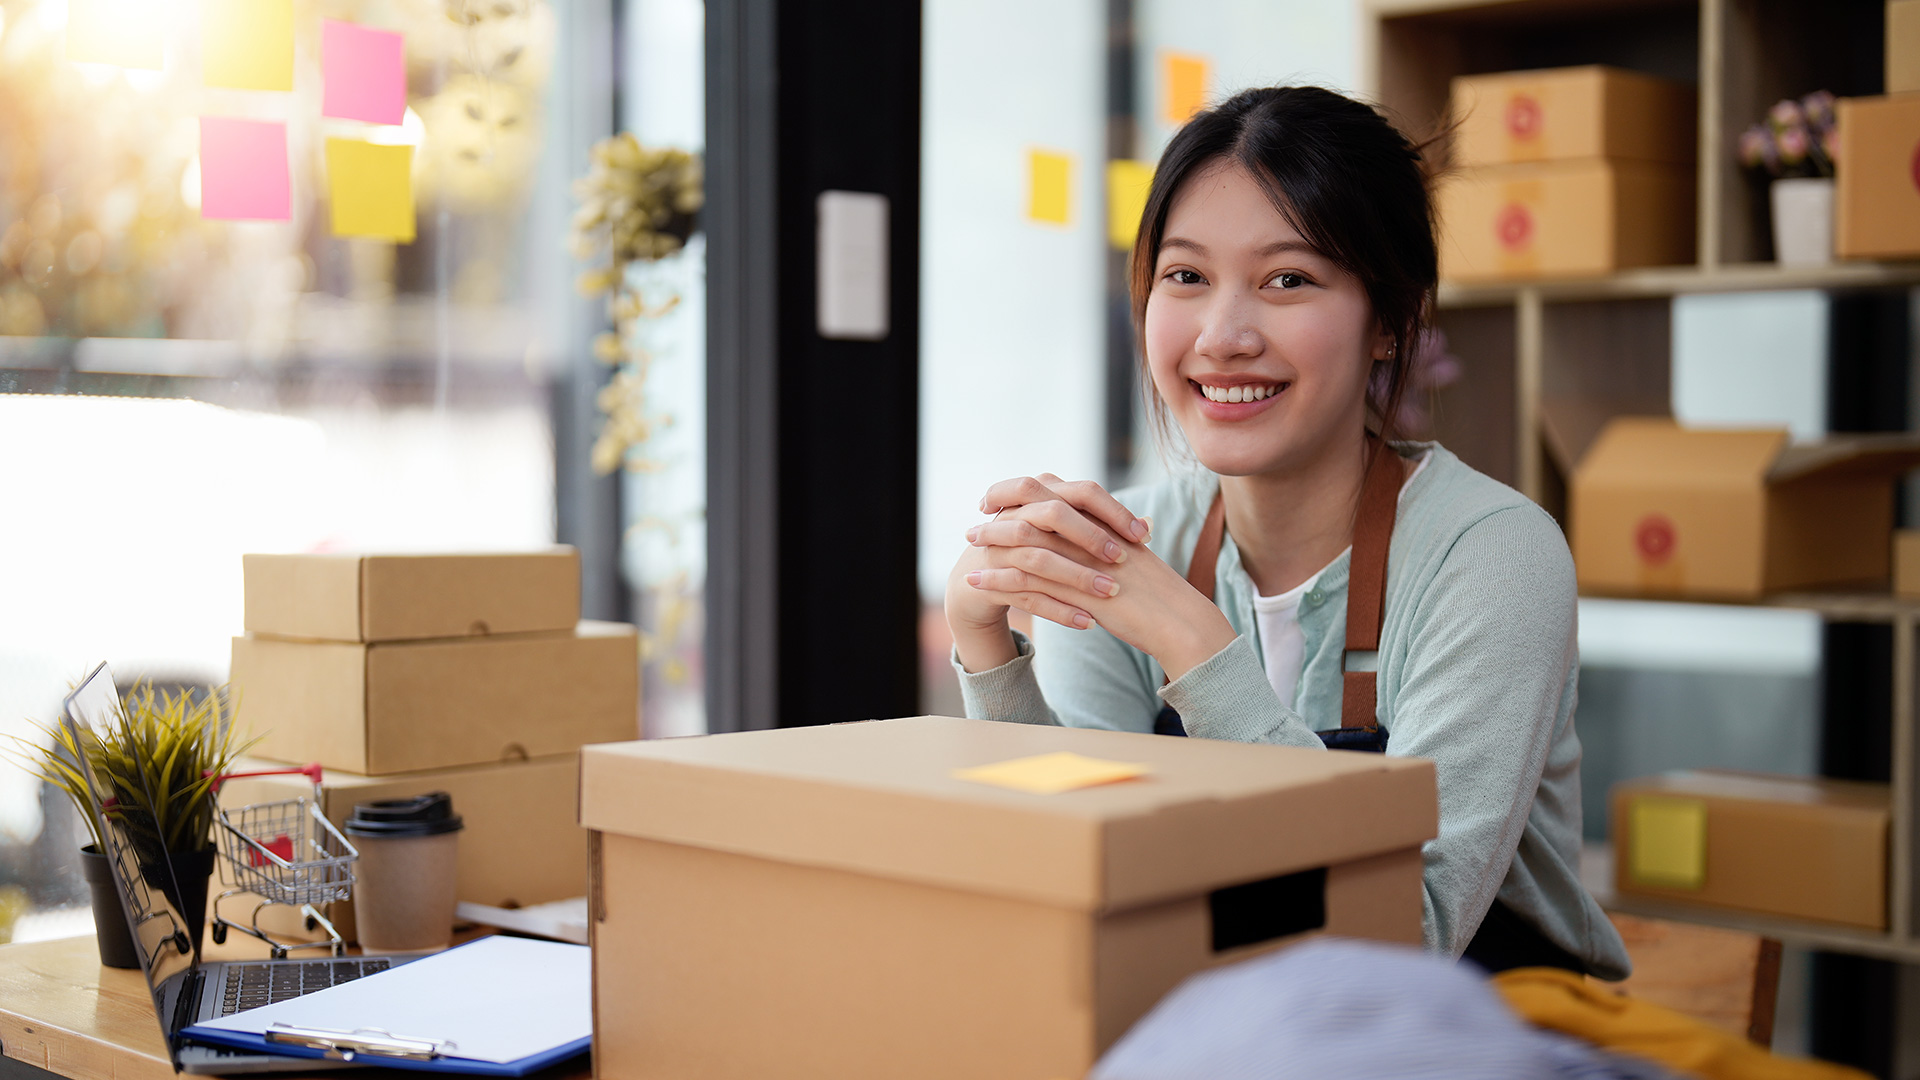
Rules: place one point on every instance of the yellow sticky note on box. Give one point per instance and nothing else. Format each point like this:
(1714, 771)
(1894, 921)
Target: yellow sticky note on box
(1183, 86)
(247, 44)
(371, 187)
(1127, 186)
(1049, 186)
(129, 33)
(1051, 774)
(1667, 841)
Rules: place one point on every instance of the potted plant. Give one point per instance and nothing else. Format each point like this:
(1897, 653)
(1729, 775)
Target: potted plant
(163, 792)
(1794, 149)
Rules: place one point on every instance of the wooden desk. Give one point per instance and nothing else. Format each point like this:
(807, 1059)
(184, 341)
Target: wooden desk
(60, 1011)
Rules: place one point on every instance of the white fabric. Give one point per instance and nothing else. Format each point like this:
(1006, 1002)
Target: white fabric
(1283, 645)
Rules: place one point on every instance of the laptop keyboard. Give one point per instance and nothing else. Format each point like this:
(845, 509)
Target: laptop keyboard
(250, 986)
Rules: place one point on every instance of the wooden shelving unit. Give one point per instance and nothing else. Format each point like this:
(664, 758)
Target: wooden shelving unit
(1548, 362)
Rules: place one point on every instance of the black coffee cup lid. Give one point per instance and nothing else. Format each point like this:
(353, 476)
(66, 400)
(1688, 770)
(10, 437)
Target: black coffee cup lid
(418, 815)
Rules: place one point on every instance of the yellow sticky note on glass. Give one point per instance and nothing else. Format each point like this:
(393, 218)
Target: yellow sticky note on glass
(1051, 774)
(1049, 186)
(1667, 841)
(371, 187)
(1183, 86)
(247, 44)
(1127, 185)
(129, 33)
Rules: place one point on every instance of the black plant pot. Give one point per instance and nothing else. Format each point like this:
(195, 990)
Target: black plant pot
(109, 918)
(191, 870)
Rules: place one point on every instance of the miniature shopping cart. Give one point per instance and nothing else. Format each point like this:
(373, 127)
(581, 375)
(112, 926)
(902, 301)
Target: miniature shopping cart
(283, 853)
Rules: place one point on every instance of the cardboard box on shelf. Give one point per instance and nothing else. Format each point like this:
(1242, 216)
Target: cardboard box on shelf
(521, 843)
(1903, 46)
(1661, 510)
(394, 707)
(1564, 219)
(746, 887)
(1560, 114)
(1906, 563)
(1778, 845)
(404, 597)
(1877, 178)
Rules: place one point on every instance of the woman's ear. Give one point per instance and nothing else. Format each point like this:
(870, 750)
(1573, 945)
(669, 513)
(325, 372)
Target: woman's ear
(1382, 346)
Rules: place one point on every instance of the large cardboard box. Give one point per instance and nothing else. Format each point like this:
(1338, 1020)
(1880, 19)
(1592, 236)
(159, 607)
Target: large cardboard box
(1564, 219)
(1903, 46)
(401, 597)
(1662, 510)
(834, 902)
(521, 842)
(394, 707)
(1778, 845)
(1561, 114)
(1877, 179)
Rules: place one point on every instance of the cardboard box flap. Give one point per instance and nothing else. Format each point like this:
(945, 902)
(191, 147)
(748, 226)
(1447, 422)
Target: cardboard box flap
(1848, 455)
(880, 798)
(1645, 451)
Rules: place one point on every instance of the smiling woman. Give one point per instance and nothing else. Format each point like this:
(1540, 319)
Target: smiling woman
(1315, 583)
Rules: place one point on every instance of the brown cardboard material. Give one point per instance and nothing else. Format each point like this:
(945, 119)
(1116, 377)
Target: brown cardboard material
(522, 843)
(406, 597)
(1906, 563)
(1662, 510)
(748, 886)
(1778, 845)
(1564, 219)
(1877, 181)
(1562, 114)
(1903, 46)
(394, 707)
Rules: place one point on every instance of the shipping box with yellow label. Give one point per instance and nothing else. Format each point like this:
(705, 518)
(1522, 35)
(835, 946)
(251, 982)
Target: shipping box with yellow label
(1877, 183)
(1662, 510)
(1562, 114)
(1777, 845)
(951, 899)
(1564, 219)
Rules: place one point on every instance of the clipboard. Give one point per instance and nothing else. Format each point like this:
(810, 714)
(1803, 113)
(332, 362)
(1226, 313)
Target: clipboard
(499, 1006)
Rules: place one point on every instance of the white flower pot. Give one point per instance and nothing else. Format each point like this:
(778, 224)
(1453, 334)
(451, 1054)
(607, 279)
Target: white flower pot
(1803, 221)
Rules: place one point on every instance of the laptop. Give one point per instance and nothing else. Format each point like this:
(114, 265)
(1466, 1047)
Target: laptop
(185, 990)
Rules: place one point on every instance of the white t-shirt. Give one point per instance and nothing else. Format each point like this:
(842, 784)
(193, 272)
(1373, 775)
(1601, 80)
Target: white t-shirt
(1283, 645)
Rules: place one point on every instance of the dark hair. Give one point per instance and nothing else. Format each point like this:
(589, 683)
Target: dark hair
(1347, 180)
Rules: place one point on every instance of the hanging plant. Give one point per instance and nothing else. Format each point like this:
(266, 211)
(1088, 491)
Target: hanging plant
(637, 205)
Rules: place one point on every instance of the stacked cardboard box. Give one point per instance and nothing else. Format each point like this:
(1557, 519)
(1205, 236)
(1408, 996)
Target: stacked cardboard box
(470, 674)
(1776, 845)
(871, 899)
(1567, 172)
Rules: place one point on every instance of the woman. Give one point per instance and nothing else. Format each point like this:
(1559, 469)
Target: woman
(1283, 273)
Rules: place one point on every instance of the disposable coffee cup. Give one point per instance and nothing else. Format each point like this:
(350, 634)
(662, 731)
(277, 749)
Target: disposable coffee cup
(403, 890)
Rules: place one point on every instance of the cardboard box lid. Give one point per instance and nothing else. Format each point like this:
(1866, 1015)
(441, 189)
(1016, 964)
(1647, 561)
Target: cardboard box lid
(400, 597)
(880, 798)
(1846, 797)
(1647, 451)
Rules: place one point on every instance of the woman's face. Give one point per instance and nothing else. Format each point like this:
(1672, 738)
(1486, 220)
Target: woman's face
(1260, 346)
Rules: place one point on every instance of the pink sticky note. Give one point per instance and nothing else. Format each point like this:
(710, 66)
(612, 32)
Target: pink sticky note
(243, 170)
(363, 73)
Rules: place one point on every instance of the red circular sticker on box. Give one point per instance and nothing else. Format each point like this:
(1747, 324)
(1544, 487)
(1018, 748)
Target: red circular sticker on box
(1914, 166)
(1514, 226)
(1655, 538)
(1523, 116)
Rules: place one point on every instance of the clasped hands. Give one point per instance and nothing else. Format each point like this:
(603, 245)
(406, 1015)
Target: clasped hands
(1070, 553)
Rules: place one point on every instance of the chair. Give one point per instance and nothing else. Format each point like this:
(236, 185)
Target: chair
(1725, 978)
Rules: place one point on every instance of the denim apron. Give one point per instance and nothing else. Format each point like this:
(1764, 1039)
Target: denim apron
(1505, 938)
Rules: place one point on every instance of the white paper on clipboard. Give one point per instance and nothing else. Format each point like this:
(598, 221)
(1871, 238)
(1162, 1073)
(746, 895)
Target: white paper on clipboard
(499, 999)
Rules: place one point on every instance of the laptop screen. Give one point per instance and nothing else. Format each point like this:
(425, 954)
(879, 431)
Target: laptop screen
(165, 943)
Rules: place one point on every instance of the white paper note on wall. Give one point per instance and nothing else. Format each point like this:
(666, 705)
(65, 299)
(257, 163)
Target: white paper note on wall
(851, 260)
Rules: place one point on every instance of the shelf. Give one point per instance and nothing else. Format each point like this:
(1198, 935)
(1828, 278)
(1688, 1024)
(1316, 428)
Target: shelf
(1806, 935)
(1838, 606)
(1667, 281)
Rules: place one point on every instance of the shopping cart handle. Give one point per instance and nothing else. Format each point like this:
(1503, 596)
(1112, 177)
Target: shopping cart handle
(311, 771)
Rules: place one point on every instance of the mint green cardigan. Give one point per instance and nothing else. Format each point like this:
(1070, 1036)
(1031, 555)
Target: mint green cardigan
(1478, 670)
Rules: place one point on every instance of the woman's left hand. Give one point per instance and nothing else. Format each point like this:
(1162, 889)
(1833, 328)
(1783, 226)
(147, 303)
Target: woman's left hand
(1153, 608)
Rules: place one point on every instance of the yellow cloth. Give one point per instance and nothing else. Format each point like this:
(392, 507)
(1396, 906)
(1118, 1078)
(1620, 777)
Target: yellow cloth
(1572, 1005)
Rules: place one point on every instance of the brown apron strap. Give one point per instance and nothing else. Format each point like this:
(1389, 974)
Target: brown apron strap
(1366, 574)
